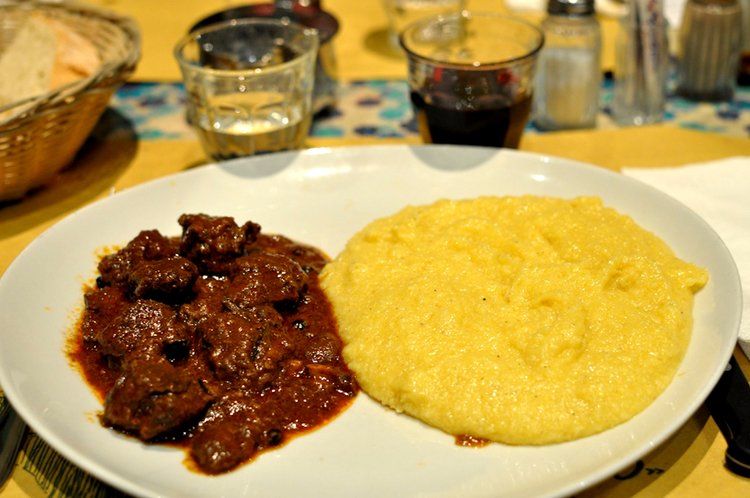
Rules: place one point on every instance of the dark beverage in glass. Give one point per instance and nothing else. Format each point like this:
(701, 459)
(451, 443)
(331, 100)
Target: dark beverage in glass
(498, 123)
(471, 77)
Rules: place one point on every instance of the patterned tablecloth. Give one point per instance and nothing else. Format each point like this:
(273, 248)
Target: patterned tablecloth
(381, 109)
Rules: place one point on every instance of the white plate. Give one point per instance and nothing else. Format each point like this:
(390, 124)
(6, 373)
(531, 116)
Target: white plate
(323, 196)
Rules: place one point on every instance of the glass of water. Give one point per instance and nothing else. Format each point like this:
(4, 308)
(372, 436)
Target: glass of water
(249, 85)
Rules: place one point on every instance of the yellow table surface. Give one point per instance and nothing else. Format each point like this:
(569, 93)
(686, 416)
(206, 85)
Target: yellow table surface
(690, 464)
(361, 46)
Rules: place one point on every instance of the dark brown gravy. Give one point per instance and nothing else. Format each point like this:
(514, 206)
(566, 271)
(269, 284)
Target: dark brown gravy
(471, 441)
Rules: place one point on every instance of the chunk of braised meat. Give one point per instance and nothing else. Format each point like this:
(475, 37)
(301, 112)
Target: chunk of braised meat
(148, 245)
(212, 242)
(169, 280)
(152, 398)
(263, 278)
(241, 347)
(314, 384)
(275, 344)
(145, 327)
(231, 433)
(310, 259)
(101, 305)
(231, 344)
(207, 301)
(323, 348)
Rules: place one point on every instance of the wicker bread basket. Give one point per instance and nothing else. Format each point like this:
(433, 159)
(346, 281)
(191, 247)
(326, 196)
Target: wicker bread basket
(41, 135)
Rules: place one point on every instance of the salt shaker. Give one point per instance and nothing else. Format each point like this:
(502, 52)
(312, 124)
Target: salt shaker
(641, 64)
(708, 57)
(568, 76)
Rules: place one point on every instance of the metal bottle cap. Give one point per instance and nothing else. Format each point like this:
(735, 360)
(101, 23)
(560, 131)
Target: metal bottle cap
(571, 7)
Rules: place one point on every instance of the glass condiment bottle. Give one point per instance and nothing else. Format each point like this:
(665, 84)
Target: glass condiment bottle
(641, 64)
(709, 49)
(568, 76)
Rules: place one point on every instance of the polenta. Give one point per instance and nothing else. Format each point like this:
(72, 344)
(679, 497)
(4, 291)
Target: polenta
(521, 320)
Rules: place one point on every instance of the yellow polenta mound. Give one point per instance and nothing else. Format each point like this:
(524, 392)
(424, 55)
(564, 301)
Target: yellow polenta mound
(523, 320)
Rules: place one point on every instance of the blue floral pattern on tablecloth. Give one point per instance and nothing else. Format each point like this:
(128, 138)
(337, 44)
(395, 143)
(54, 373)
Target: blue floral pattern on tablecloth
(381, 109)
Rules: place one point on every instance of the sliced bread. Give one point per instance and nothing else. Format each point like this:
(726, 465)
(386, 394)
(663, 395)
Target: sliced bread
(44, 54)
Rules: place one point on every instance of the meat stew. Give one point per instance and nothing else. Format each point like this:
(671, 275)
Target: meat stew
(220, 340)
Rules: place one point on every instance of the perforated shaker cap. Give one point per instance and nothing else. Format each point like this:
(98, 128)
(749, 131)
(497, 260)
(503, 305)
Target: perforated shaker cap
(571, 7)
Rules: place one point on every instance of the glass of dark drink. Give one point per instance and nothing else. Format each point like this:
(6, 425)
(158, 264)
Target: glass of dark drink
(471, 77)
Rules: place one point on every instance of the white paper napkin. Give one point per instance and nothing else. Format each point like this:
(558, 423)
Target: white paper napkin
(719, 192)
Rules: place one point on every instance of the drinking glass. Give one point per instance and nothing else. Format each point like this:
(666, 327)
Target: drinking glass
(249, 85)
(401, 13)
(471, 77)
